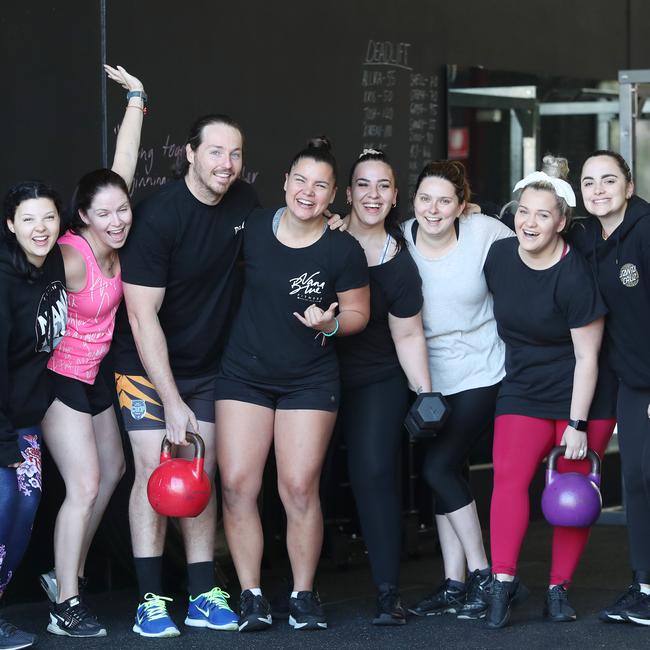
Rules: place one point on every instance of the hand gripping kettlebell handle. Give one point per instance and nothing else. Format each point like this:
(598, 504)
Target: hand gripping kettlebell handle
(194, 438)
(556, 452)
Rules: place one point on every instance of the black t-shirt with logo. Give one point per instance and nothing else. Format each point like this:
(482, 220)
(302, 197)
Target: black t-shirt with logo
(395, 288)
(268, 343)
(32, 322)
(535, 311)
(191, 249)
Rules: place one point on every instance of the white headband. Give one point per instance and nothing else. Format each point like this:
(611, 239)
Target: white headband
(562, 188)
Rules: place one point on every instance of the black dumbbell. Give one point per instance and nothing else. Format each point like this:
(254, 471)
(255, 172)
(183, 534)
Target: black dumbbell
(427, 415)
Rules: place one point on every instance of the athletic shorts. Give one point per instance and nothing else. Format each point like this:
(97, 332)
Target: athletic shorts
(85, 398)
(141, 406)
(319, 397)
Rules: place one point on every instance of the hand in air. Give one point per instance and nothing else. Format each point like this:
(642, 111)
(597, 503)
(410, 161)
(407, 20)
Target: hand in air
(122, 77)
(316, 318)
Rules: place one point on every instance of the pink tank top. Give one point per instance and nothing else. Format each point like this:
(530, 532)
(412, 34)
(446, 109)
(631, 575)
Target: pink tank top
(91, 319)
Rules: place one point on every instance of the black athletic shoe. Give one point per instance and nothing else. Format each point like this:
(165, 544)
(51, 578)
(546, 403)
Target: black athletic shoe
(50, 586)
(628, 599)
(500, 596)
(254, 613)
(390, 610)
(73, 618)
(640, 612)
(476, 603)
(11, 638)
(557, 608)
(446, 599)
(306, 612)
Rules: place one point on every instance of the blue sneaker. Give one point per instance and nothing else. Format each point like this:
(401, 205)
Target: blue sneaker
(211, 609)
(152, 619)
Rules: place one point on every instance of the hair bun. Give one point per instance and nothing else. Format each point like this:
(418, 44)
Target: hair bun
(555, 166)
(320, 142)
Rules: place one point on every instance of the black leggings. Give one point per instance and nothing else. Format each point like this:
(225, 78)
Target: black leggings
(472, 415)
(634, 445)
(371, 418)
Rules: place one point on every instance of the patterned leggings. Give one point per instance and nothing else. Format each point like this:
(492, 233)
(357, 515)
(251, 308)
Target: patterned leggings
(20, 493)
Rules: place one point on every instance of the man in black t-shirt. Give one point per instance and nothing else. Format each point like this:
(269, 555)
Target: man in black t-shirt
(178, 268)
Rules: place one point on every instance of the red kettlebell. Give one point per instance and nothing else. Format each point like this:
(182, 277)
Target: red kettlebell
(570, 498)
(179, 487)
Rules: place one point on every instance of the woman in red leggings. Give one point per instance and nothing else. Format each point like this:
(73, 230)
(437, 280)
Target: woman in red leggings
(550, 316)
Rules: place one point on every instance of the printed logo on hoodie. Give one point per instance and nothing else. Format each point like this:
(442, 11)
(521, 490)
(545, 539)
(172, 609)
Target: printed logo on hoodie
(629, 275)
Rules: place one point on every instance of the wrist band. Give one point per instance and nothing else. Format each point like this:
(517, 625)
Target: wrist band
(334, 331)
(578, 425)
(137, 93)
(140, 94)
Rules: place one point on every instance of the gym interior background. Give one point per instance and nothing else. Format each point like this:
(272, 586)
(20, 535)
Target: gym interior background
(365, 72)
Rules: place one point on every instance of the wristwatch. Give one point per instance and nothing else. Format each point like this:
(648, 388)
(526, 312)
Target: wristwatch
(578, 425)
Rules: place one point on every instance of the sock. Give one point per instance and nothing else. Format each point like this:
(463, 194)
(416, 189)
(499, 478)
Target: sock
(256, 591)
(645, 589)
(294, 594)
(200, 578)
(149, 573)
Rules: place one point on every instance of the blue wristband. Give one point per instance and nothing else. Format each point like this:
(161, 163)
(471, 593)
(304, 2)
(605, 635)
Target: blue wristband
(334, 331)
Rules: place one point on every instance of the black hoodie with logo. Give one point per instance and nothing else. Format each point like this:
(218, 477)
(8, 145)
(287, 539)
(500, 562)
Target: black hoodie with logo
(621, 264)
(32, 322)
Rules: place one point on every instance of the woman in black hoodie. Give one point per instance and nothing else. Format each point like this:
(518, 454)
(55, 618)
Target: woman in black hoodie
(33, 313)
(617, 244)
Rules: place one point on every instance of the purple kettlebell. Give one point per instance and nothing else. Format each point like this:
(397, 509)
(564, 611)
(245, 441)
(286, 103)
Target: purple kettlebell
(570, 498)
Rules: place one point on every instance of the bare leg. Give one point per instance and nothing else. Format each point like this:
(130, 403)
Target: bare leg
(111, 469)
(301, 440)
(453, 556)
(147, 526)
(70, 438)
(244, 436)
(466, 525)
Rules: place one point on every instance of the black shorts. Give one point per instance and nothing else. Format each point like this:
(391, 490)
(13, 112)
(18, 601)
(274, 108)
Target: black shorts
(141, 406)
(85, 398)
(315, 397)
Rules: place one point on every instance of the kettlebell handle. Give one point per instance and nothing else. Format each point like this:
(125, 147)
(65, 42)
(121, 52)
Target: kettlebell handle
(556, 452)
(194, 438)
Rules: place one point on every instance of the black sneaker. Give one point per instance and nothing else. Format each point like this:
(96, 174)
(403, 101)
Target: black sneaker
(306, 612)
(11, 638)
(390, 610)
(73, 618)
(628, 599)
(500, 595)
(557, 608)
(446, 599)
(51, 588)
(640, 612)
(476, 604)
(254, 612)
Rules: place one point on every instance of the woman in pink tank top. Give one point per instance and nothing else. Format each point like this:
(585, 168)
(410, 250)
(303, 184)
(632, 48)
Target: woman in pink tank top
(80, 427)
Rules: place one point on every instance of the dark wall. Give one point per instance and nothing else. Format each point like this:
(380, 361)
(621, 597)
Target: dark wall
(286, 70)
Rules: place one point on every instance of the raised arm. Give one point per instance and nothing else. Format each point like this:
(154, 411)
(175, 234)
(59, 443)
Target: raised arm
(142, 305)
(411, 348)
(127, 146)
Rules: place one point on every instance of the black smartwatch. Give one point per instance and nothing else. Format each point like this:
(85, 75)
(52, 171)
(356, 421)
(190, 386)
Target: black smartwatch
(578, 425)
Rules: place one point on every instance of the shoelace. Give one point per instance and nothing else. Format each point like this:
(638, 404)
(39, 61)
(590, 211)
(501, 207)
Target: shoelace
(557, 593)
(217, 597)
(629, 596)
(497, 588)
(155, 606)
(74, 615)
(477, 584)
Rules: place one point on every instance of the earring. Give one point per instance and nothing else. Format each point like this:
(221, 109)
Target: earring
(395, 204)
(348, 202)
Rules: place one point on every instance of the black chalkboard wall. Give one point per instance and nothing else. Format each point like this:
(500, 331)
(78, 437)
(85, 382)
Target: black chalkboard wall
(286, 71)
